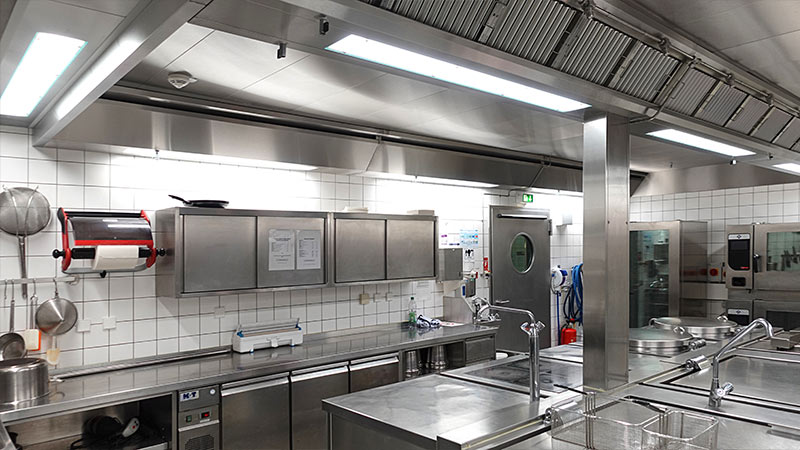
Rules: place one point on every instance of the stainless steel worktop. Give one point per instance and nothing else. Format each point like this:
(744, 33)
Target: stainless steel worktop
(139, 382)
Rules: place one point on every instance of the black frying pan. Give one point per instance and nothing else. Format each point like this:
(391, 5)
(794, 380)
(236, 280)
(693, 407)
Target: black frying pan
(202, 203)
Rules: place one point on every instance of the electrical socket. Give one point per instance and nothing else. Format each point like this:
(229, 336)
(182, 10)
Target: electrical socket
(219, 312)
(109, 323)
(84, 325)
(364, 299)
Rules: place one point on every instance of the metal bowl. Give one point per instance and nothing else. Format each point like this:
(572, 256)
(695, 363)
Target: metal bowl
(56, 316)
(22, 379)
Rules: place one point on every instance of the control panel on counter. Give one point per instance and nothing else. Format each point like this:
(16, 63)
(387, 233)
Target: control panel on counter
(198, 418)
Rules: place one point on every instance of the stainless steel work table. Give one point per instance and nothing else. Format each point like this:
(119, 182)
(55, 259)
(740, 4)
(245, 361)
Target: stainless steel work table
(126, 384)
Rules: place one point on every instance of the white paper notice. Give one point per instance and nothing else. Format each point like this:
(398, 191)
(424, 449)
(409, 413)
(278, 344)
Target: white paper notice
(281, 249)
(309, 251)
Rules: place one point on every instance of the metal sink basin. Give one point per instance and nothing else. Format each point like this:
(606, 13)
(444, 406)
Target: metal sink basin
(512, 374)
(757, 377)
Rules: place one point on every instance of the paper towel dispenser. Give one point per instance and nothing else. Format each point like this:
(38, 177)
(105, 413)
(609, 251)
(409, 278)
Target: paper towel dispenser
(107, 241)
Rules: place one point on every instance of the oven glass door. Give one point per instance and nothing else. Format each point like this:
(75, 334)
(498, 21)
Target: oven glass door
(778, 246)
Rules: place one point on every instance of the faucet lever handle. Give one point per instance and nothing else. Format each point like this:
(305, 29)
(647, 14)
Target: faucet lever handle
(726, 389)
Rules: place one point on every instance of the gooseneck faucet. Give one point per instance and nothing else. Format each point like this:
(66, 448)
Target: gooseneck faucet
(717, 393)
(532, 329)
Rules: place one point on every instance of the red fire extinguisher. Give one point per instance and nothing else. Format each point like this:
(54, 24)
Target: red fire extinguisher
(568, 334)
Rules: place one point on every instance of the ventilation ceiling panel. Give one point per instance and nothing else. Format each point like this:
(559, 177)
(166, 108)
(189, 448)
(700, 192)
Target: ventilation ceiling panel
(464, 18)
(774, 122)
(644, 72)
(595, 52)
(531, 29)
(748, 115)
(690, 92)
(720, 106)
(790, 134)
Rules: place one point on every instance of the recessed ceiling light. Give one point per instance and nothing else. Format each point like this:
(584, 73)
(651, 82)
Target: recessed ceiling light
(215, 159)
(46, 58)
(389, 55)
(700, 142)
(791, 167)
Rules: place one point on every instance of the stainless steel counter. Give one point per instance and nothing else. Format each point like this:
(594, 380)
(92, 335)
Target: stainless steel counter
(123, 385)
(462, 409)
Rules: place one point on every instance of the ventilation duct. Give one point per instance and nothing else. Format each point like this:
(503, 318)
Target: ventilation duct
(595, 52)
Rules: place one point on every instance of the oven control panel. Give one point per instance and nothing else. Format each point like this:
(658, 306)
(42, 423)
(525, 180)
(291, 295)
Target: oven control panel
(739, 257)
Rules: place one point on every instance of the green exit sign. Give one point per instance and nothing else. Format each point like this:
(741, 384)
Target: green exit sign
(527, 198)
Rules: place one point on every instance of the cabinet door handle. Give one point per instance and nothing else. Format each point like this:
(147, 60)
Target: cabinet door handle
(318, 374)
(371, 364)
(254, 386)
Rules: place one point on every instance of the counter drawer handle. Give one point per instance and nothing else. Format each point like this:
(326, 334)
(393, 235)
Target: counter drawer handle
(320, 374)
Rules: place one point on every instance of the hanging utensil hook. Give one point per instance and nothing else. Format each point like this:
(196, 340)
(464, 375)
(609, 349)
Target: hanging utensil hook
(55, 285)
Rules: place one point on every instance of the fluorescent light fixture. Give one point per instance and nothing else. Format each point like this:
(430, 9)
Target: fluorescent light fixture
(791, 167)
(46, 58)
(450, 182)
(389, 55)
(700, 142)
(215, 159)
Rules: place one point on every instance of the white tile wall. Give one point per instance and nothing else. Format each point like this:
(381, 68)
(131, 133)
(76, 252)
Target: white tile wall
(779, 203)
(146, 325)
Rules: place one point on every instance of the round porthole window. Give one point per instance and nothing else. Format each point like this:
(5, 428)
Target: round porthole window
(522, 253)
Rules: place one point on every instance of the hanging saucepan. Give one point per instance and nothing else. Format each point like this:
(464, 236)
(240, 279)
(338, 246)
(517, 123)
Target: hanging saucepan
(23, 212)
(202, 203)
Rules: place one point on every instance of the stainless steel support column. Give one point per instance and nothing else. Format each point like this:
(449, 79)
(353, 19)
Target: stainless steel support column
(606, 186)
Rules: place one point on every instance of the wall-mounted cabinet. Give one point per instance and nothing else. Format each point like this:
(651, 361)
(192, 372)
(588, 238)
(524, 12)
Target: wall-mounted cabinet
(229, 250)
(379, 247)
(233, 251)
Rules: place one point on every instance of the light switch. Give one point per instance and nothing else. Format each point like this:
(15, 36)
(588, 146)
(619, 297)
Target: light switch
(363, 299)
(219, 312)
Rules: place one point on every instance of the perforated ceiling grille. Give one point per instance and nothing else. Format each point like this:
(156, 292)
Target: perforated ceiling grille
(595, 53)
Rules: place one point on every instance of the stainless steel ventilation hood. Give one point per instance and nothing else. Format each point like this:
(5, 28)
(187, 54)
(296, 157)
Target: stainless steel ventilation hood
(114, 126)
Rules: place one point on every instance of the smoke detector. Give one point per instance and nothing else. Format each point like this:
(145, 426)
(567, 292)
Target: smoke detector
(180, 79)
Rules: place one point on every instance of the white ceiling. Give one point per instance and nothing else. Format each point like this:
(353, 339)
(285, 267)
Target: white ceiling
(762, 35)
(245, 71)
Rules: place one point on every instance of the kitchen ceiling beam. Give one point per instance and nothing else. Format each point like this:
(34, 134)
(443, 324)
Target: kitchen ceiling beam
(154, 23)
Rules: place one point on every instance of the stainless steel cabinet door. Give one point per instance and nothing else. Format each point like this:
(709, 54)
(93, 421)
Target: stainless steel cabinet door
(309, 257)
(410, 249)
(360, 250)
(309, 421)
(374, 372)
(219, 253)
(256, 416)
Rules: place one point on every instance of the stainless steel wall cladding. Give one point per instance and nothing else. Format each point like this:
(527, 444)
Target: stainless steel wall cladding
(530, 29)
(692, 90)
(772, 124)
(790, 134)
(643, 72)
(464, 18)
(595, 53)
(747, 115)
(721, 104)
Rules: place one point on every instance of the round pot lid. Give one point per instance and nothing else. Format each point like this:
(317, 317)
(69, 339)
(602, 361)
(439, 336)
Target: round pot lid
(701, 327)
(652, 338)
